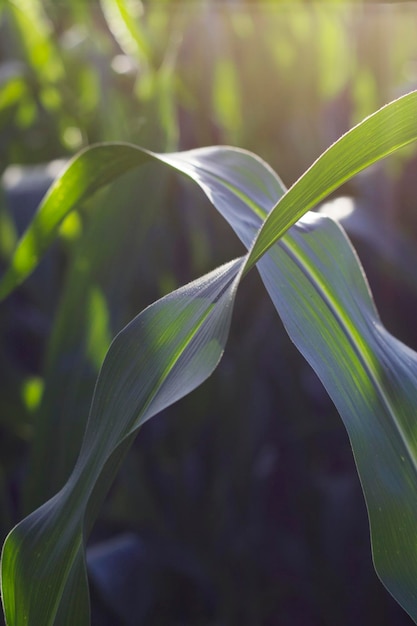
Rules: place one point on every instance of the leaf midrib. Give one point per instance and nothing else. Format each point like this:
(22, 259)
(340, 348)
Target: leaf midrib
(291, 248)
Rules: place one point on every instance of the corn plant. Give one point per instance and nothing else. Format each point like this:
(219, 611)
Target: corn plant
(318, 287)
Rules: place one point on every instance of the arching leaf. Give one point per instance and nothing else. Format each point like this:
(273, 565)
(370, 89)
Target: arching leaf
(317, 285)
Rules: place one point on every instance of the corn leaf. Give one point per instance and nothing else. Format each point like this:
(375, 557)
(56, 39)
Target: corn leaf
(164, 353)
(318, 287)
(380, 134)
(316, 284)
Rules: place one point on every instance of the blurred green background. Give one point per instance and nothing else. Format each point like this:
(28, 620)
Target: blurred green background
(241, 504)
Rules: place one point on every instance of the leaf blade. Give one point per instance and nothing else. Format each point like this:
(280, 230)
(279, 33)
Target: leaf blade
(181, 339)
(90, 170)
(377, 136)
(256, 198)
(318, 287)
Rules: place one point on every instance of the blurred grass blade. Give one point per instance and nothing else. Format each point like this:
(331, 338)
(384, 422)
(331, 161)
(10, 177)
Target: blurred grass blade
(164, 353)
(35, 30)
(124, 19)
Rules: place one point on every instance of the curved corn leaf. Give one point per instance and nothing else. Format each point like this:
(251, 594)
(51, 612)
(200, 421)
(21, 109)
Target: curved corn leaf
(181, 339)
(164, 353)
(87, 172)
(380, 134)
(317, 285)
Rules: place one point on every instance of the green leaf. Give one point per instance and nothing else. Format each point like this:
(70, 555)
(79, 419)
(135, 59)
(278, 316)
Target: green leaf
(90, 170)
(390, 128)
(122, 17)
(164, 353)
(318, 288)
(317, 285)
(176, 343)
(380, 134)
